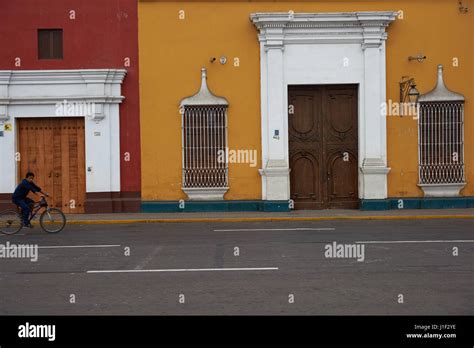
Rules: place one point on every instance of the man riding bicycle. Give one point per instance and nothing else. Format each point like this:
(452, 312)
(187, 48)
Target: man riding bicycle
(20, 198)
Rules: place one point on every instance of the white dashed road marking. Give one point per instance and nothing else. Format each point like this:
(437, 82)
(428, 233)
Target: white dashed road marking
(277, 229)
(187, 270)
(78, 246)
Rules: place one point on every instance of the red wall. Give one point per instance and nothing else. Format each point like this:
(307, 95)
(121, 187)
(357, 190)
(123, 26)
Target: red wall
(103, 34)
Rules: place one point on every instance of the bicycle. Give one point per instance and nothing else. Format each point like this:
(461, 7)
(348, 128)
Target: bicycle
(52, 220)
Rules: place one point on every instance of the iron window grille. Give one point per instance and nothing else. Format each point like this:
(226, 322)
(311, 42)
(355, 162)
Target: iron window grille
(204, 141)
(441, 140)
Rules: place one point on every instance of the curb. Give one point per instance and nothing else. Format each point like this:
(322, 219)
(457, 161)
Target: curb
(262, 219)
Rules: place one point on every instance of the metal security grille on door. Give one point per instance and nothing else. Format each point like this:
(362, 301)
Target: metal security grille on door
(441, 141)
(204, 138)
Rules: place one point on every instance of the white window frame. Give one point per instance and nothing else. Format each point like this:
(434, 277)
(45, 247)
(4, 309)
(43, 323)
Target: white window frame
(212, 175)
(441, 152)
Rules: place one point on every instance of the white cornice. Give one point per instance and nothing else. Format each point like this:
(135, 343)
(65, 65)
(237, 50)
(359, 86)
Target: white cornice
(50, 87)
(279, 28)
(328, 19)
(73, 76)
(59, 99)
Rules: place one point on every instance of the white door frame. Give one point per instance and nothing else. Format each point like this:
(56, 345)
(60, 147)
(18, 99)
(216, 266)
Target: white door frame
(323, 48)
(62, 93)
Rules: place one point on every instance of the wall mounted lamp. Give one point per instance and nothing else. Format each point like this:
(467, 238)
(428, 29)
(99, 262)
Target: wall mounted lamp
(408, 91)
(462, 8)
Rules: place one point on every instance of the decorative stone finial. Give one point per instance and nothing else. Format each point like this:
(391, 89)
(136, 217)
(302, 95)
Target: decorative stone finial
(204, 96)
(440, 93)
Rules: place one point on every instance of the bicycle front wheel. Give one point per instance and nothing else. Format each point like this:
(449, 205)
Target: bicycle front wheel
(52, 220)
(10, 222)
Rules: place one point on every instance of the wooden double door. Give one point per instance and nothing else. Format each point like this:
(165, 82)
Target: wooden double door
(323, 146)
(54, 150)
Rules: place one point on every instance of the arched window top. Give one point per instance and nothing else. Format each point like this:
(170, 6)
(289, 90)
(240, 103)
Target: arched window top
(204, 96)
(440, 93)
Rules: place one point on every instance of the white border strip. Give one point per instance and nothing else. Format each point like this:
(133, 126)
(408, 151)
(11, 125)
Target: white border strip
(187, 270)
(78, 246)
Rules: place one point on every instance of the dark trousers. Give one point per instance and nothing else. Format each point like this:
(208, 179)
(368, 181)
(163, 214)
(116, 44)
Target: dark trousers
(25, 207)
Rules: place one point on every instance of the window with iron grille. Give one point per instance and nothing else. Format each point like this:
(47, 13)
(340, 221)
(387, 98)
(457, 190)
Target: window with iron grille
(204, 138)
(204, 129)
(50, 44)
(441, 141)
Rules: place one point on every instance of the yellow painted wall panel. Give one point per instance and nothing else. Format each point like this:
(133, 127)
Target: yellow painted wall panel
(172, 51)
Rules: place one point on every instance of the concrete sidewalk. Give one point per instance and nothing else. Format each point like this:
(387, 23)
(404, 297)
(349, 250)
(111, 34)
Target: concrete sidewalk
(299, 215)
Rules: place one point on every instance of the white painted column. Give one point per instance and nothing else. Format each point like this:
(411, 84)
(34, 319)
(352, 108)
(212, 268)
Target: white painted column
(374, 151)
(103, 150)
(7, 154)
(275, 171)
(7, 142)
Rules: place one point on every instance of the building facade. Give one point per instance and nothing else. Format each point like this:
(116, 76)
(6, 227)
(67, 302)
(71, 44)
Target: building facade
(69, 102)
(154, 106)
(320, 111)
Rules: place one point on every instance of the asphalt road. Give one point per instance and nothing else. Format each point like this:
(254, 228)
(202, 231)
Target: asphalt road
(278, 268)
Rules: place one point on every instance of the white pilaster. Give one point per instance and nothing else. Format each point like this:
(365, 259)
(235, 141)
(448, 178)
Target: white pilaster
(275, 167)
(373, 154)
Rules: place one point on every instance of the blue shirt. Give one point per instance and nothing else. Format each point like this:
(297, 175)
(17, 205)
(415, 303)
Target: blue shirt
(23, 189)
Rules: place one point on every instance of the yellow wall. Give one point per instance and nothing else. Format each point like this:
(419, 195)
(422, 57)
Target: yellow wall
(173, 50)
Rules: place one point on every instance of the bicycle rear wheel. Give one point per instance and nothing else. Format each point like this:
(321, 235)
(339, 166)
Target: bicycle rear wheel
(52, 220)
(10, 222)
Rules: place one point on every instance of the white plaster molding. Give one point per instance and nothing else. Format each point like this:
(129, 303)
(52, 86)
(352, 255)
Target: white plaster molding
(205, 194)
(38, 93)
(275, 168)
(442, 190)
(4, 113)
(373, 178)
(55, 77)
(308, 48)
(282, 28)
(374, 166)
(204, 96)
(98, 85)
(60, 98)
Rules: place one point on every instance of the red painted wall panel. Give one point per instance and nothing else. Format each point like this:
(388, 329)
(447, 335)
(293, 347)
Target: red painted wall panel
(102, 35)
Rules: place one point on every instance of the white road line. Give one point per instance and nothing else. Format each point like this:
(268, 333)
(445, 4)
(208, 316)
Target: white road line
(414, 241)
(187, 270)
(277, 229)
(78, 246)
